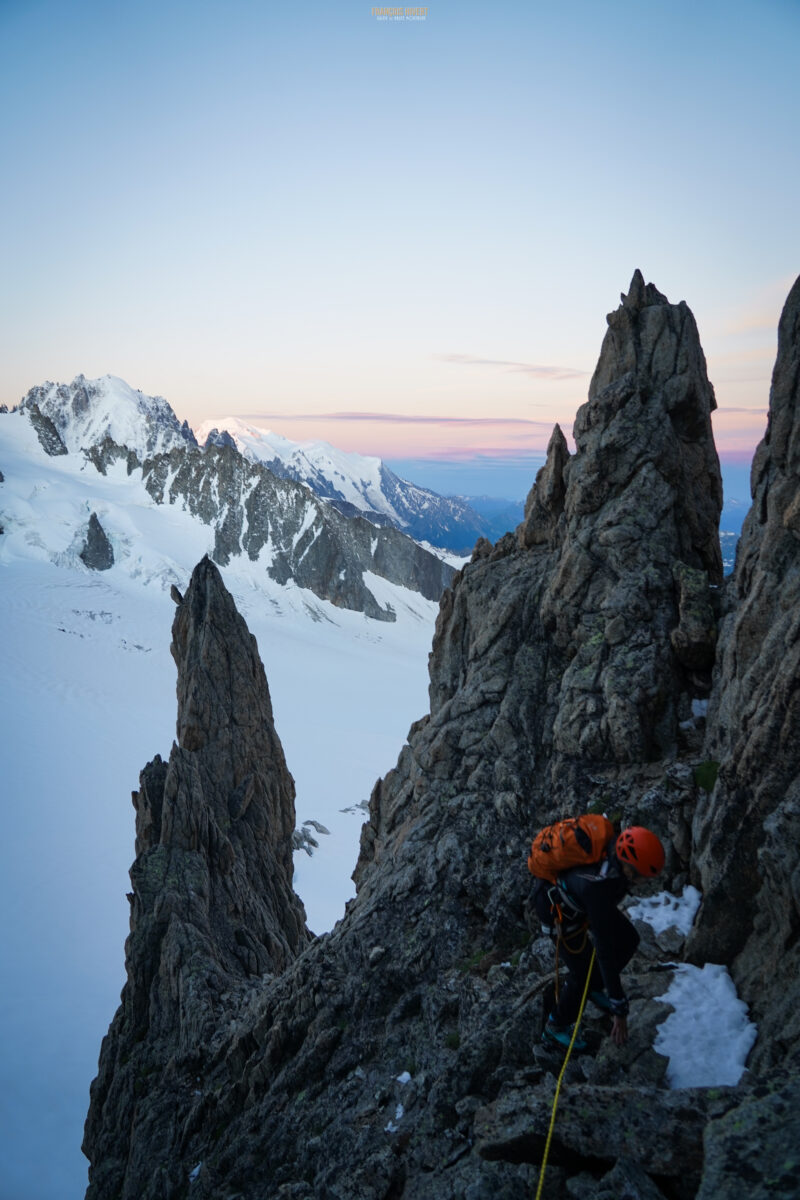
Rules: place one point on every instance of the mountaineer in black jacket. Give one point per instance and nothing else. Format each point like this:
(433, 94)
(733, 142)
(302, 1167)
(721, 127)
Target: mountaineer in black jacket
(581, 909)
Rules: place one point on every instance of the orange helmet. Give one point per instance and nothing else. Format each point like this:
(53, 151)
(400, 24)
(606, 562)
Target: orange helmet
(641, 849)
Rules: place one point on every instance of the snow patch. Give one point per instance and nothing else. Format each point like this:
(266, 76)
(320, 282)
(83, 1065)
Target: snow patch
(708, 1037)
(665, 911)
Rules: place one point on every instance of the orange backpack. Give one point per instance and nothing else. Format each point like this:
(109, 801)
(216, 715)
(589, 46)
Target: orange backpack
(569, 843)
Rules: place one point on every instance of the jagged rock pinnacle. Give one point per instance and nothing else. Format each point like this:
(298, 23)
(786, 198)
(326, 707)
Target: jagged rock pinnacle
(643, 493)
(212, 903)
(641, 294)
(545, 503)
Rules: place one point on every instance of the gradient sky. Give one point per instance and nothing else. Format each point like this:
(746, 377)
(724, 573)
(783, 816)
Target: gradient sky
(402, 237)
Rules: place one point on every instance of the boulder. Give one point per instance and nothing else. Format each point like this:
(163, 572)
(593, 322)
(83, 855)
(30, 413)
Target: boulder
(754, 1150)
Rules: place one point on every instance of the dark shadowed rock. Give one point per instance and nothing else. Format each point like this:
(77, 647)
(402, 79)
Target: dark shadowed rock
(754, 1150)
(643, 495)
(48, 435)
(97, 552)
(545, 504)
(747, 864)
(625, 1181)
(596, 1124)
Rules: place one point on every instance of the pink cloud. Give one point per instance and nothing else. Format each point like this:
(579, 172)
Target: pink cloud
(393, 435)
(397, 419)
(537, 371)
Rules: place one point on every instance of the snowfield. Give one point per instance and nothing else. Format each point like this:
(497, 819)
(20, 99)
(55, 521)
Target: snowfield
(89, 698)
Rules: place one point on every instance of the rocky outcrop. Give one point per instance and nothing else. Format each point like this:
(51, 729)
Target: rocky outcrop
(48, 435)
(212, 908)
(97, 552)
(399, 1055)
(545, 503)
(747, 864)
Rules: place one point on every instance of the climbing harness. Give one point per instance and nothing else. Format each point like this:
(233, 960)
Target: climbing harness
(568, 920)
(561, 1076)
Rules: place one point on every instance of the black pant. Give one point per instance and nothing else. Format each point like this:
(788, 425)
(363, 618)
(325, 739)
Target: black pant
(575, 953)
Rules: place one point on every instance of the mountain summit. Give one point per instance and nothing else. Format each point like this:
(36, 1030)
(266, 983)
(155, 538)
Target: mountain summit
(86, 412)
(398, 1056)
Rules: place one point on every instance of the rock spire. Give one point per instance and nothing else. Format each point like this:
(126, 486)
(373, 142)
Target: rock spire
(212, 907)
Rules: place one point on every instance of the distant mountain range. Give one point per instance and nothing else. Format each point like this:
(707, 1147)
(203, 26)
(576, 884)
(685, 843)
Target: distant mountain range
(248, 509)
(356, 484)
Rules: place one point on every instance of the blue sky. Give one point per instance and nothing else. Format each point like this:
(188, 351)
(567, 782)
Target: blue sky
(400, 236)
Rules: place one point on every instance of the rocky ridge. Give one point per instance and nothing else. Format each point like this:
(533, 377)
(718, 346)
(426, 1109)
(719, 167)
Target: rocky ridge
(398, 1055)
(356, 485)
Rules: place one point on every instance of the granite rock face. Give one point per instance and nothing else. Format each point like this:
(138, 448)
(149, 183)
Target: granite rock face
(399, 1055)
(747, 865)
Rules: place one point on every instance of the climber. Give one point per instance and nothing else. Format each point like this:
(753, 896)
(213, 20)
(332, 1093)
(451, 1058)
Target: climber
(581, 906)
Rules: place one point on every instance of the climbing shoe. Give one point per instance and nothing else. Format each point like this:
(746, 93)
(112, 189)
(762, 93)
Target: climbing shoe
(561, 1035)
(600, 1000)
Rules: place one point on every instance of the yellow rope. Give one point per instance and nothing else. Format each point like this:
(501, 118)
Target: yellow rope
(561, 1076)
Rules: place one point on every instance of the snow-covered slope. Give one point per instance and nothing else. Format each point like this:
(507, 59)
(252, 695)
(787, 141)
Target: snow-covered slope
(355, 483)
(87, 411)
(89, 698)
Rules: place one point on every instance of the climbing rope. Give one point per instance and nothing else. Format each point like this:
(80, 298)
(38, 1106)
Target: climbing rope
(561, 1076)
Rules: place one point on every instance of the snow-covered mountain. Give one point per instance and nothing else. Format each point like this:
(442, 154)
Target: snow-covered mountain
(240, 505)
(87, 411)
(355, 483)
